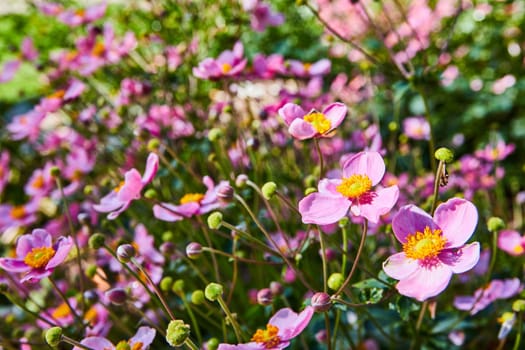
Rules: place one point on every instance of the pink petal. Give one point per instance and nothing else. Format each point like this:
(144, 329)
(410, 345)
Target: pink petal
(425, 283)
(321, 209)
(457, 218)
(381, 204)
(61, 254)
(464, 303)
(108, 203)
(96, 343)
(410, 219)
(290, 324)
(510, 288)
(152, 165)
(9, 70)
(290, 111)
(336, 113)
(35, 276)
(398, 266)
(13, 265)
(301, 130)
(329, 187)
(369, 163)
(462, 259)
(145, 335)
(247, 346)
(320, 67)
(511, 242)
(132, 186)
(41, 238)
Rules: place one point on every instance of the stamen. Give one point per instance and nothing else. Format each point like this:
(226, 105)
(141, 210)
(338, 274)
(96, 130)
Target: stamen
(354, 186)
(226, 67)
(424, 245)
(18, 212)
(318, 121)
(191, 197)
(268, 337)
(39, 257)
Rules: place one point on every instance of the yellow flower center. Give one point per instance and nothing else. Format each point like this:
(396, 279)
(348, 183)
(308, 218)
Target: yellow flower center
(268, 337)
(137, 346)
(39, 257)
(354, 186)
(18, 212)
(80, 12)
(38, 183)
(125, 345)
(119, 186)
(518, 249)
(318, 122)
(424, 245)
(91, 316)
(191, 197)
(307, 66)
(98, 49)
(57, 94)
(61, 311)
(226, 67)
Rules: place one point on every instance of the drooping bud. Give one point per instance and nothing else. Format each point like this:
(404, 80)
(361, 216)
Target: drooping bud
(225, 193)
(55, 171)
(117, 296)
(153, 145)
(213, 291)
(97, 241)
(268, 190)
(494, 224)
(177, 333)
(264, 296)
(193, 250)
(321, 302)
(212, 344)
(150, 194)
(276, 288)
(197, 297)
(335, 281)
(167, 248)
(241, 180)
(53, 336)
(444, 154)
(215, 220)
(125, 252)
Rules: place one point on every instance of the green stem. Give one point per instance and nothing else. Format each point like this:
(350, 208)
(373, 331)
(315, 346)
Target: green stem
(518, 336)
(327, 327)
(231, 319)
(323, 261)
(344, 258)
(427, 116)
(63, 296)
(321, 161)
(415, 341)
(190, 344)
(437, 179)
(192, 317)
(208, 241)
(73, 342)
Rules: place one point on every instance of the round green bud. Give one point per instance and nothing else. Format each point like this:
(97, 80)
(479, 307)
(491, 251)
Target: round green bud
(178, 286)
(392, 126)
(343, 222)
(214, 134)
(197, 297)
(150, 194)
(167, 236)
(310, 190)
(495, 224)
(123, 345)
(166, 284)
(91, 270)
(55, 171)
(53, 336)
(444, 154)
(213, 291)
(310, 180)
(97, 241)
(88, 189)
(177, 333)
(215, 220)
(212, 344)
(335, 281)
(269, 189)
(518, 305)
(153, 145)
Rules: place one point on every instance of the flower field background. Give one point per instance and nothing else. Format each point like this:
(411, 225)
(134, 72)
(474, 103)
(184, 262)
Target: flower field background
(262, 174)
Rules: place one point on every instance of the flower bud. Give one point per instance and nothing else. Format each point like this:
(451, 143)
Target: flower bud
(166, 283)
(214, 134)
(212, 344)
(197, 297)
(88, 189)
(167, 248)
(241, 180)
(321, 302)
(97, 241)
(193, 250)
(177, 333)
(125, 252)
(276, 288)
(123, 345)
(310, 190)
(178, 286)
(153, 145)
(53, 336)
(90, 297)
(150, 194)
(269, 189)
(321, 336)
(55, 171)
(495, 224)
(518, 305)
(213, 291)
(444, 154)
(335, 281)
(215, 220)
(264, 296)
(167, 236)
(117, 296)
(83, 218)
(225, 193)
(343, 222)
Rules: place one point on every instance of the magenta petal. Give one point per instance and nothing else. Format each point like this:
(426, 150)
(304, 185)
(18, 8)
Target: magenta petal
(290, 111)
(336, 113)
(35, 276)
(132, 186)
(367, 163)
(108, 203)
(464, 303)
(510, 242)
(290, 324)
(61, 254)
(301, 130)
(410, 219)
(398, 266)
(381, 204)
(424, 283)
(462, 259)
(457, 218)
(167, 212)
(24, 245)
(9, 70)
(321, 209)
(41, 238)
(152, 165)
(13, 265)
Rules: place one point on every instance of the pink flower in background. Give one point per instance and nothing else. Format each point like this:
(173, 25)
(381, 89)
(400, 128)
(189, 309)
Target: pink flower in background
(40, 183)
(262, 15)
(229, 63)
(9, 70)
(4, 169)
(28, 49)
(280, 330)
(302, 125)
(191, 203)
(511, 242)
(302, 69)
(74, 18)
(351, 192)
(433, 247)
(37, 256)
(128, 190)
(495, 152)
(416, 128)
(267, 67)
(18, 215)
(165, 120)
(483, 297)
(141, 341)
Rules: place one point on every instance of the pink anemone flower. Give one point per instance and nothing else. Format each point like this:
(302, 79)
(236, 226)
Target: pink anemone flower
(128, 190)
(417, 128)
(141, 340)
(352, 192)
(280, 330)
(37, 256)
(511, 242)
(302, 125)
(433, 247)
(229, 63)
(483, 297)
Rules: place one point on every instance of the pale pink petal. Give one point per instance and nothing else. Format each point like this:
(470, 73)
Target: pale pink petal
(336, 113)
(463, 259)
(113, 215)
(329, 187)
(62, 252)
(108, 203)
(96, 343)
(237, 68)
(464, 303)
(152, 165)
(321, 209)
(383, 201)
(290, 111)
(398, 266)
(409, 220)
(132, 186)
(41, 238)
(511, 242)
(320, 67)
(510, 288)
(144, 335)
(425, 283)
(247, 346)
(301, 130)
(24, 245)
(367, 163)
(458, 218)
(9, 70)
(290, 324)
